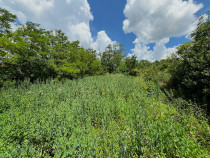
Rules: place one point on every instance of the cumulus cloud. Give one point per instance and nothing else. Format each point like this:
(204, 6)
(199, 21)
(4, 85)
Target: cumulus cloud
(143, 51)
(158, 20)
(102, 41)
(71, 16)
(82, 32)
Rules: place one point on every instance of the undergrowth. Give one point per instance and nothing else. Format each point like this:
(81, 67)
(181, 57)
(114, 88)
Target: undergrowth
(101, 116)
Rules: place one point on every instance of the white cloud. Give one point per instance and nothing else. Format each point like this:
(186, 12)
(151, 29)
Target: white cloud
(143, 51)
(156, 21)
(82, 32)
(102, 41)
(71, 16)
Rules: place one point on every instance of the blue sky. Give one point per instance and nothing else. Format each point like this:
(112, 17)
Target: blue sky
(108, 15)
(150, 29)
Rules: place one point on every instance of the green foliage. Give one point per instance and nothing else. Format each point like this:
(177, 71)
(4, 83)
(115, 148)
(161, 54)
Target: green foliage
(112, 57)
(131, 64)
(191, 71)
(31, 52)
(103, 116)
(143, 63)
(5, 19)
(154, 71)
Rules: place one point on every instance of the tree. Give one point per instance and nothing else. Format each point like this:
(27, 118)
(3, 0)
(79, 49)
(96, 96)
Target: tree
(6, 18)
(131, 64)
(143, 63)
(32, 52)
(191, 73)
(93, 63)
(112, 57)
(25, 53)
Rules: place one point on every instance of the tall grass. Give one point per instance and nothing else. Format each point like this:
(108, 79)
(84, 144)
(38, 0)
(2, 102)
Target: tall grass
(103, 116)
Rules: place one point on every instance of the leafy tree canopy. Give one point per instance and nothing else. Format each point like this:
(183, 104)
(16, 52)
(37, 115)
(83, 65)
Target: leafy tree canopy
(191, 72)
(6, 18)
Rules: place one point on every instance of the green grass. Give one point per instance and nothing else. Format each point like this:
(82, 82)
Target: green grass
(101, 116)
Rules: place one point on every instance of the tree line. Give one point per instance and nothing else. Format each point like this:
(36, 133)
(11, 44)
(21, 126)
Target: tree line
(35, 53)
(31, 52)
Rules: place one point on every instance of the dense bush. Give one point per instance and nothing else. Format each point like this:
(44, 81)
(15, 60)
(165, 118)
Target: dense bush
(112, 57)
(34, 53)
(191, 70)
(102, 116)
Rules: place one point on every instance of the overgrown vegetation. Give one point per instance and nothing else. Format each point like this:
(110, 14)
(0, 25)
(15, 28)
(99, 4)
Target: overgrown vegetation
(191, 71)
(34, 53)
(104, 116)
(157, 113)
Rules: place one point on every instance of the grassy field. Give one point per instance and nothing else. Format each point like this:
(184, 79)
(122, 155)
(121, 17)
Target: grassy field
(101, 116)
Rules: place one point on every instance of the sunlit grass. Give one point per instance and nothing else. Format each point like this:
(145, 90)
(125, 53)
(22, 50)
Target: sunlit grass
(102, 116)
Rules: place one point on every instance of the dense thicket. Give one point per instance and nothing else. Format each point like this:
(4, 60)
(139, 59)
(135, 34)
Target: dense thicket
(35, 53)
(112, 57)
(190, 74)
(98, 116)
(187, 72)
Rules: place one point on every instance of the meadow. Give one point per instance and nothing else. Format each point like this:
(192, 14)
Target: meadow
(98, 116)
